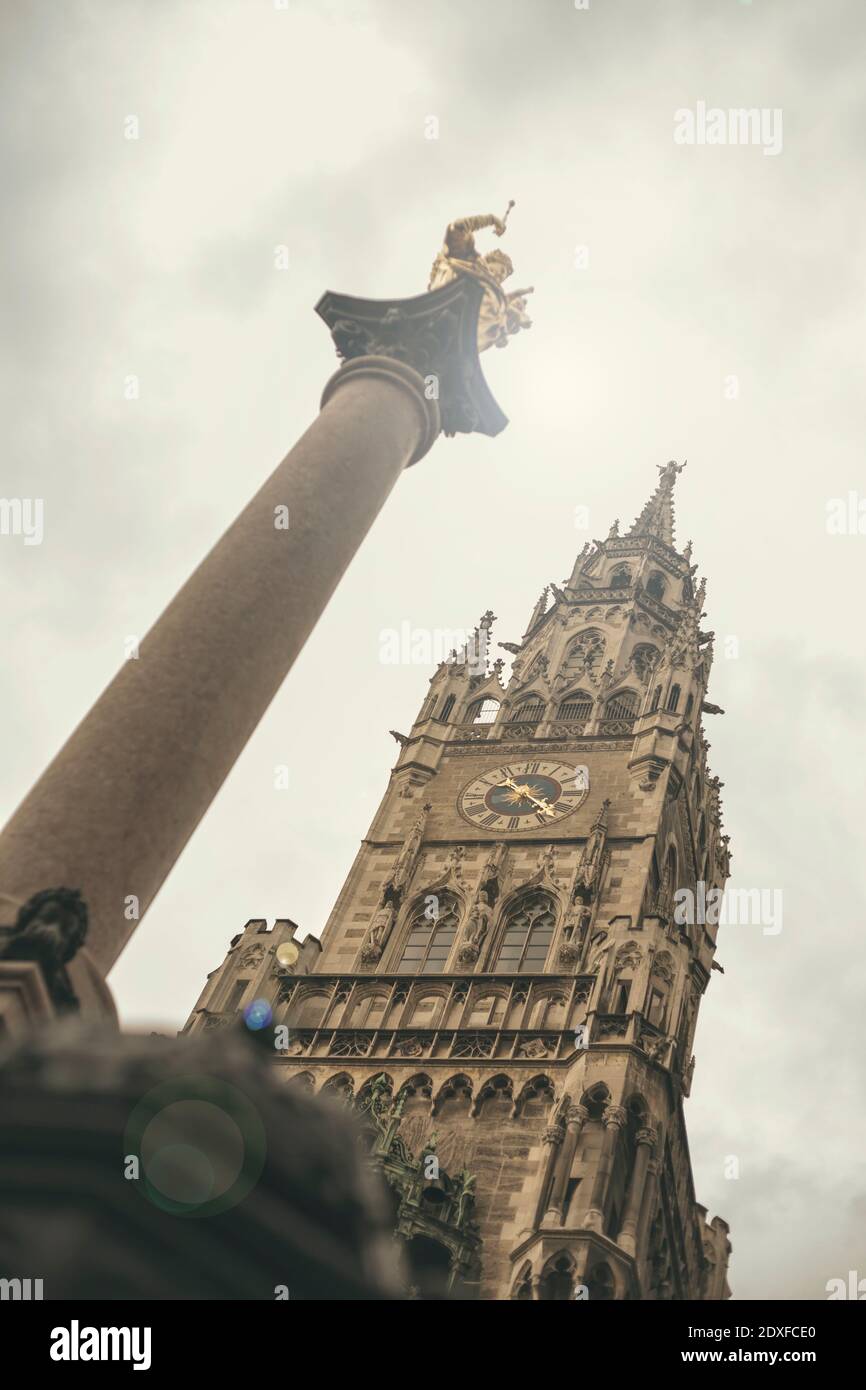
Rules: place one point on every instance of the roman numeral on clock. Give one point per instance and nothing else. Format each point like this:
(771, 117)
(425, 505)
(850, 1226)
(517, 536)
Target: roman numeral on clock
(489, 820)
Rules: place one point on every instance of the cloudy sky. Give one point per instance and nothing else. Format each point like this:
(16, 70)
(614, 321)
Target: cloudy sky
(713, 313)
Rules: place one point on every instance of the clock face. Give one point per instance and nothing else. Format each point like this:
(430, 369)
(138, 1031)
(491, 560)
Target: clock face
(522, 796)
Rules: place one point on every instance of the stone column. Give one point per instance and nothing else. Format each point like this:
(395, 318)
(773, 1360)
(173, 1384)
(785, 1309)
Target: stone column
(119, 802)
(552, 1140)
(555, 1206)
(646, 1216)
(627, 1238)
(615, 1117)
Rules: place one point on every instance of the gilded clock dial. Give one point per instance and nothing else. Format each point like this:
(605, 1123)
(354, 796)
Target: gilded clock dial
(522, 795)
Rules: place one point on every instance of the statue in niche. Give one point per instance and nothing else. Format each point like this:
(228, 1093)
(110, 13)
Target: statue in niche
(600, 947)
(380, 929)
(501, 314)
(477, 928)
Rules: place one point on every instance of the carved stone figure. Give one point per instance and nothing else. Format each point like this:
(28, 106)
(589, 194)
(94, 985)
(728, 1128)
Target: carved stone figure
(476, 929)
(380, 930)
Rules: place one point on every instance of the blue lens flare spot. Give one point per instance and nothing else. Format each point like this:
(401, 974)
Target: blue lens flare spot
(258, 1014)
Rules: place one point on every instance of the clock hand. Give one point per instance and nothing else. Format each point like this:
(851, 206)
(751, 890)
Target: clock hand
(524, 791)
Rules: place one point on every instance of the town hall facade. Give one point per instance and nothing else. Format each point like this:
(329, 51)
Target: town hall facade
(505, 992)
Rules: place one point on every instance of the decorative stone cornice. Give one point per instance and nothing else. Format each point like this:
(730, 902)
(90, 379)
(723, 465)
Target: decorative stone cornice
(435, 334)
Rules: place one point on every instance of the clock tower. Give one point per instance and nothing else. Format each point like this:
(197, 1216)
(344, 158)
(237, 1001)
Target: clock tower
(508, 985)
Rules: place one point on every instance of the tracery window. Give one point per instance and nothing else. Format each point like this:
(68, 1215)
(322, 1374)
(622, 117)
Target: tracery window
(483, 711)
(528, 933)
(430, 939)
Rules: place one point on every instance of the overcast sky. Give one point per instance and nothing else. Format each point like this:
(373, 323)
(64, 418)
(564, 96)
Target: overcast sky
(305, 127)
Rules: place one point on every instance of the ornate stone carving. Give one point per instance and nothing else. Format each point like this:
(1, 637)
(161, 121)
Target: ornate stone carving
(477, 928)
(49, 930)
(434, 333)
(380, 930)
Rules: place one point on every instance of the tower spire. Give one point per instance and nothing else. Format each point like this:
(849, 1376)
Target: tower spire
(657, 517)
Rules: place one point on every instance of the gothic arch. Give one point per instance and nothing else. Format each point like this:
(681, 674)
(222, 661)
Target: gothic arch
(367, 1085)
(529, 708)
(524, 933)
(596, 1099)
(341, 1085)
(416, 1094)
(496, 1097)
(557, 1282)
(521, 1291)
(577, 704)
(535, 1097)
(426, 1006)
(368, 1008)
(622, 705)
(483, 711)
(309, 1008)
(656, 585)
(583, 656)
(643, 660)
(600, 1283)
(488, 1007)
(620, 576)
(456, 1093)
(303, 1081)
(549, 1010)
(428, 932)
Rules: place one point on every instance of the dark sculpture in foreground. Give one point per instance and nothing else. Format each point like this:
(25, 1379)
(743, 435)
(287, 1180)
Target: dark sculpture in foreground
(154, 1168)
(50, 929)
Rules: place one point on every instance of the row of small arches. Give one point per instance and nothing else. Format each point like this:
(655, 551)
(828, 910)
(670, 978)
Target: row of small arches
(495, 1097)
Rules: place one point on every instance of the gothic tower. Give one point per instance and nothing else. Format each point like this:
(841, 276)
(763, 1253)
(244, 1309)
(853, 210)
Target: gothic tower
(508, 985)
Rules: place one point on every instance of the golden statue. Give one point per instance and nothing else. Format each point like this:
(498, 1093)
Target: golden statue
(501, 314)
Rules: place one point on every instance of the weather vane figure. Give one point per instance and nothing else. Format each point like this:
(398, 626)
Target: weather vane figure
(501, 314)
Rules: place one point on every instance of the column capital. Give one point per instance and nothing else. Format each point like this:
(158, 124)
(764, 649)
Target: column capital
(616, 1116)
(554, 1134)
(647, 1136)
(577, 1116)
(436, 334)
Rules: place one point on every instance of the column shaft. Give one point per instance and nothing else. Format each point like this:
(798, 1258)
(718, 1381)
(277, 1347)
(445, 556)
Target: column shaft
(628, 1229)
(119, 802)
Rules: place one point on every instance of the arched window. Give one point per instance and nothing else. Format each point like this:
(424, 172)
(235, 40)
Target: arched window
(621, 577)
(690, 704)
(549, 1012)
(557, 1281)
(427, 1011)
(655, 585)
(600, 1285)
(584, 655)
(622, 706)
(487, 1012)
(311, 1011)
(529, 711)
(483, 711)
(643, 660)
(577, 705)
(673, 699)
(369, 1011)
(430, 939)
(429, 706)
(522, 1292)
(527, 936)
(448, 706)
